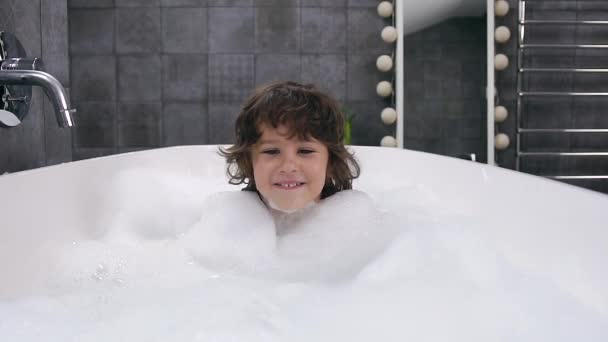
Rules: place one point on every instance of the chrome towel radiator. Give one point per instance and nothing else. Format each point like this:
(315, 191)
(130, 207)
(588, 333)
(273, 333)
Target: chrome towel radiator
(526, 49)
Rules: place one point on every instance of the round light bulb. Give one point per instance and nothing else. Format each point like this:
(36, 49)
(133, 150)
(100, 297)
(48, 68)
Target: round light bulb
(501, 61)
(389, 34)
(501, 141)
(502, 34)
(501, 8)
(384, 88)
(500, 113)
(388, 141)
(385, 9)
(389, 115)
(384, 63)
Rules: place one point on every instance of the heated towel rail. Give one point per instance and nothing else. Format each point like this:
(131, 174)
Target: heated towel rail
(525, 26)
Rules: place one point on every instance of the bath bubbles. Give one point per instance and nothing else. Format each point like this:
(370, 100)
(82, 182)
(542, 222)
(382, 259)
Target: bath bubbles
(327, 241)
(100, 273)
(152, 204)
(333, 240)
(235, 233)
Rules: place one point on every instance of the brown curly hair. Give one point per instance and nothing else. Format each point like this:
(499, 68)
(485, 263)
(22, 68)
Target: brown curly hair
(307, 112)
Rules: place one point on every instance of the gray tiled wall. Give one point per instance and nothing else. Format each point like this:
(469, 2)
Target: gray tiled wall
(148, 74)
(159, 73)
(41, 26)
(562, 111)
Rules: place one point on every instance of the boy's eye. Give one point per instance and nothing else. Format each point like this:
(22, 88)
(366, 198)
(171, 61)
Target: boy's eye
(306, 151)
(271, 151)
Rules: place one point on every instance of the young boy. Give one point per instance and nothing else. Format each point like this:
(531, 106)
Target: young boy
(290, 147)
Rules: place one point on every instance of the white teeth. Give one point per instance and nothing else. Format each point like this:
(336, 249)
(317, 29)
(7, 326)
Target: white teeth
(289, 185)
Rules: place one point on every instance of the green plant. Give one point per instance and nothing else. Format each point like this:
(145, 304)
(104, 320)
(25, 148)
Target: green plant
(348, 126)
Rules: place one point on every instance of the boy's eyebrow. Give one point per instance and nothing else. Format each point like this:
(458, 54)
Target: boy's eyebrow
(271, 141)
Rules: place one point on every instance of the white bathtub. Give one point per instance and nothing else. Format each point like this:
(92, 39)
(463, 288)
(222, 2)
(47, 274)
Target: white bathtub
(551, 234)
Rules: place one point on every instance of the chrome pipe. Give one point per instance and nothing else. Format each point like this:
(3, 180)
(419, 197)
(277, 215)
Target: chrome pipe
(563, 130)
(519, 79)
(559, 93)
(579, 177)
(566, 154)
(566, 46)
(563, 22)
(52, 87)
(562, 70)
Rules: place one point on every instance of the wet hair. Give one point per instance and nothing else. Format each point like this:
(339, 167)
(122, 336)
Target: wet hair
(306, 112)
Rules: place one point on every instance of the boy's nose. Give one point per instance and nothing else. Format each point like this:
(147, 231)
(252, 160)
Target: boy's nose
(289, 164)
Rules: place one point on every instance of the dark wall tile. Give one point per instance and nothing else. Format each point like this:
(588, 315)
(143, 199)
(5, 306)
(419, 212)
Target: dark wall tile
(362, 3)
(231, 30)
(364, 28)
(22, 18)
(277, 67)
(93, 78)
(229, 3)
(90, 3)
(139, 78)
(184, 30)
(277, 3)
(96, 126)
(138, 30)
(88, 153)
(221, 122)
(54, 31)
(184, 77)
(230, 77)
(184, 124)
(91, 31)
(137, 3)
(328, 72)
(183, 3)
(139, 125)
(363, 78)
(323, 3)
(323, 30)
(277, 29)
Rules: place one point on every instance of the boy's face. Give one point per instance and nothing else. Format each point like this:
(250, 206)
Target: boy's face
(288, 173)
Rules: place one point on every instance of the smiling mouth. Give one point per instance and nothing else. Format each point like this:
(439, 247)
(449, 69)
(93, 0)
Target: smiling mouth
(289, 185)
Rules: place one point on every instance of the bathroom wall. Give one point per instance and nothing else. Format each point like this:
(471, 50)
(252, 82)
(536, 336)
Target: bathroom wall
(159, 73)
(41, 26)
(564, 111)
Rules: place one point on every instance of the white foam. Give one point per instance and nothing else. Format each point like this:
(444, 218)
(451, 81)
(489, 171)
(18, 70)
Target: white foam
(174, 264)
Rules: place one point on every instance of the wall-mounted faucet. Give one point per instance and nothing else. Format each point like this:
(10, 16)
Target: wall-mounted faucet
(17, 74)
(19, 71)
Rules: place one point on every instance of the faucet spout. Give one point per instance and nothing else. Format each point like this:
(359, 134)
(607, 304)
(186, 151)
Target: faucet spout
(52, 87)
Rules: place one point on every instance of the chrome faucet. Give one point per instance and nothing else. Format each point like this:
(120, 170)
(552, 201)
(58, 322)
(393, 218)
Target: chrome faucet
(18, 71)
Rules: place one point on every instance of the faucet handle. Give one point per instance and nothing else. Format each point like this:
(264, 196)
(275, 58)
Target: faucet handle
(22, 64)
